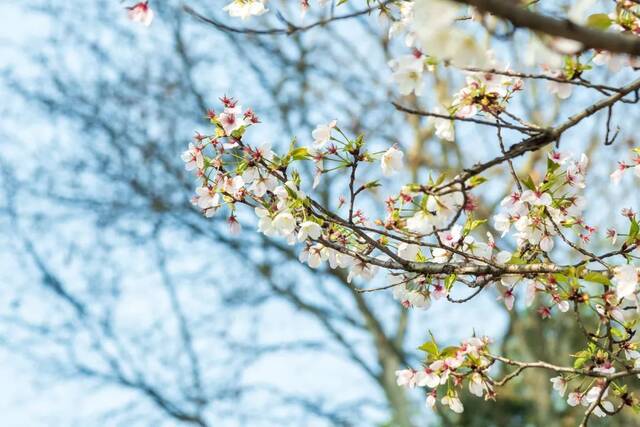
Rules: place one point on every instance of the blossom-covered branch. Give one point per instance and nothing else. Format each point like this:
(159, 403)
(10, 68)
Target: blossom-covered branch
(429, 237)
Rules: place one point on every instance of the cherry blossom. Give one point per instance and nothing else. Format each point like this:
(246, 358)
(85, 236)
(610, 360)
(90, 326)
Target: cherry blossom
(508, 298)
(193, 158)
(231, 120)
(284, 223)
(361, 269)
(476, 385)
(406, 377)
(626, 280)
(427, 378)
(407, 73)
(141, 12)
(430, 402)
(322, 134)
(453, 403)
(560, 385)
(391, 161)
(536, 198)
(244, 9)
(265, 223)
(309, 230)
(438, 35)
(574, 398)
(444, 127)
(409, 298)
(312, 255)
(451, 237)
(559, 157)
(421, 223)
(561, 90)
(408, 251)
(234, 225)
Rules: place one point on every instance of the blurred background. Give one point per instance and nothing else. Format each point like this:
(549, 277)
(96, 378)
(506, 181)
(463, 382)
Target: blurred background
(122, 305)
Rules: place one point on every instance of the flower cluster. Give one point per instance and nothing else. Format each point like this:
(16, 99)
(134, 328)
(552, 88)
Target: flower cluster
(231, 172)
(446, 370)
(485, 92)
(538, 212)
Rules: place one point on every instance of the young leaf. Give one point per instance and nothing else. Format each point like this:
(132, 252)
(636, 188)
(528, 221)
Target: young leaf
(600, 21)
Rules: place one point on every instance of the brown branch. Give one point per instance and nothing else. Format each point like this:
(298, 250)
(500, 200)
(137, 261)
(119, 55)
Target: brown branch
(538, 141)
(593, 405)
(533, 76)
(464, 268)
(588, 37)
(290, 28)
(563, 369)
(462, 119)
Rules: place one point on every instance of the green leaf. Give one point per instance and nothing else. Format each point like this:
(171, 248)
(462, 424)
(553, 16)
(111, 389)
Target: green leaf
(373, 184)
(579, 362)
(617, 333)
(560, 278)
(596, 277)
(429, 347)
(472, 225)
(440, 179)
(528, 182)
(600, 21)
(633, 231)
(449, 351)
(477, 180)
(300, 153)
(448, 282)
(423, 203)
(239, 132)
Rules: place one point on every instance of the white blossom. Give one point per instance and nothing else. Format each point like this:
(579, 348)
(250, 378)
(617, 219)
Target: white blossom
(322, 134)
(626, 280)
(407, 73)
(453, 403)
(244, 9)
(421, 223)
(559, 384)
(284, 223)
(408, 251)
(391, 161)
(309, 229)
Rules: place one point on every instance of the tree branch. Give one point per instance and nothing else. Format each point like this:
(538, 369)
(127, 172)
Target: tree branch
(588, 37)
